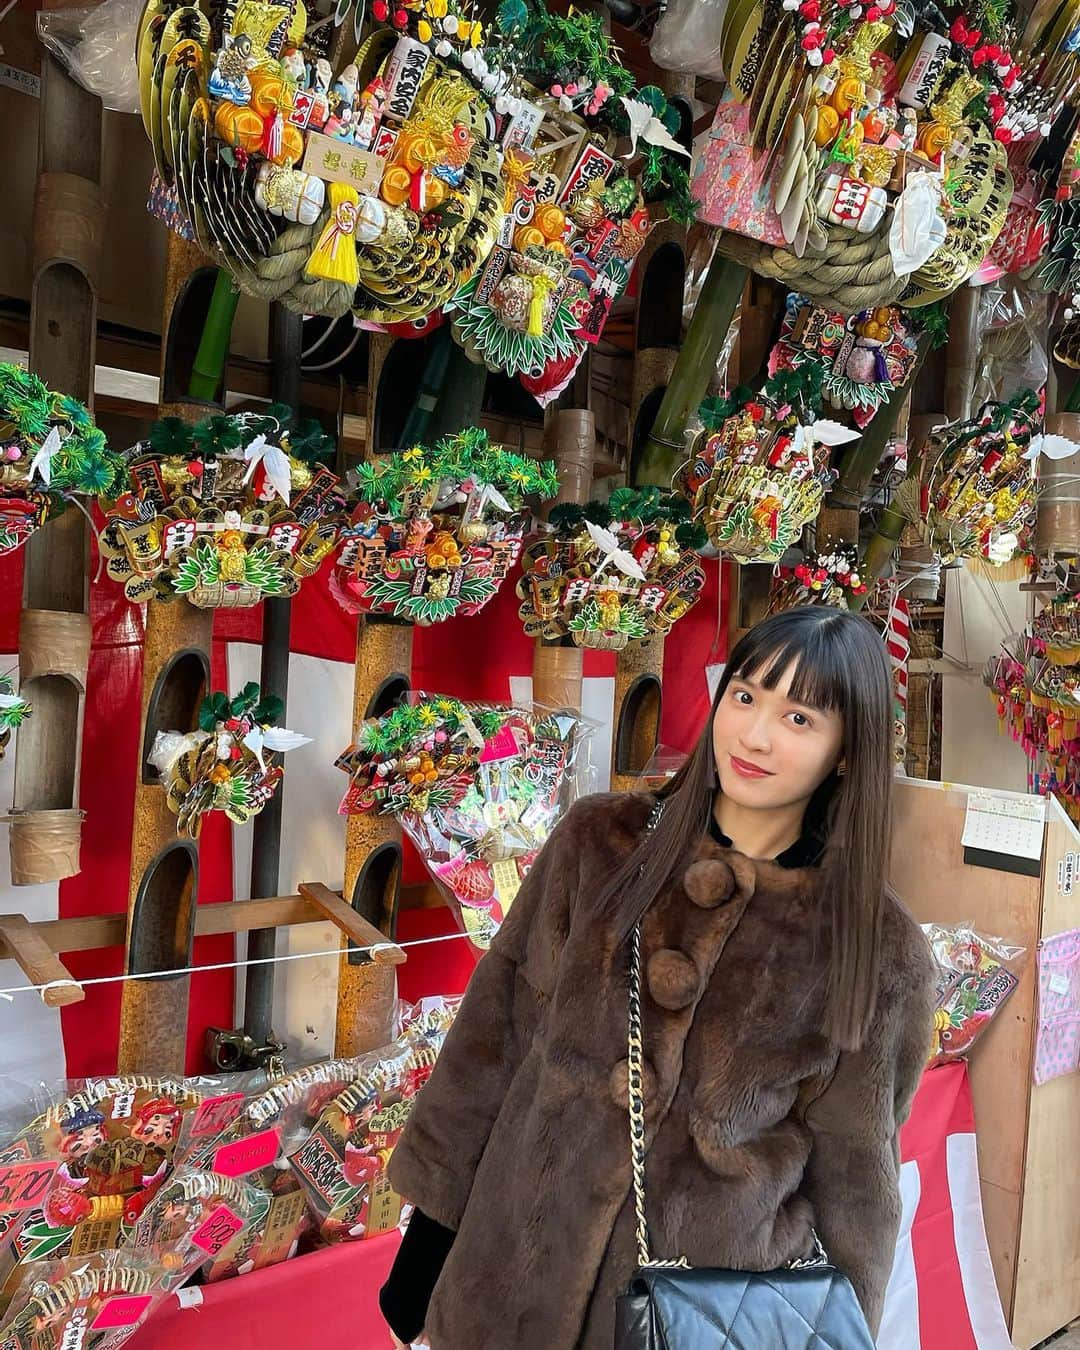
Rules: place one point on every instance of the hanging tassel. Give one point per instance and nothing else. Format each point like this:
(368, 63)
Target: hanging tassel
(334, 256)
(543, 285)
(275, 129)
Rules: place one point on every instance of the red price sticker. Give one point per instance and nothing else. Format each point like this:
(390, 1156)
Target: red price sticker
(246, 1155)
(123, 1311)
(25, 1185)
(217, 1230)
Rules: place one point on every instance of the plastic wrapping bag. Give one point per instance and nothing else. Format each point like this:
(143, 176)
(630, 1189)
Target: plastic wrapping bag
(687, 37)
(93, 1302)
(87, 1166)
(253, 1147)
(342, 1163)
(976, 975)
(478, 788)
(97, 48)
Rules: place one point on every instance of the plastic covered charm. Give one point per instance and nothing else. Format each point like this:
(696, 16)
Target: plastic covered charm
(976, 975)
(477, 786)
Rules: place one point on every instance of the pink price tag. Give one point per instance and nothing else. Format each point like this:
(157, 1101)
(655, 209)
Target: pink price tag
(246, 1155)
(215, 1113)
(123, 1311)
(503, 745)
(25, 1185)
(216, 1231)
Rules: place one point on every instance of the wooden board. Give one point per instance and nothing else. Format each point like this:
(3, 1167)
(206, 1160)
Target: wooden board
(1048, 1271)
(929, 872)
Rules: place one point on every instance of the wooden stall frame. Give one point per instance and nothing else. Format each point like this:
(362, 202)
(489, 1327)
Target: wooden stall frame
(1030, 1193)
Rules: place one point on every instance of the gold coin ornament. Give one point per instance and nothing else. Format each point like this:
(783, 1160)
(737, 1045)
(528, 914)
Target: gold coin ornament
(608, 574)
(223, 513)
(230, 763)
(435, 531)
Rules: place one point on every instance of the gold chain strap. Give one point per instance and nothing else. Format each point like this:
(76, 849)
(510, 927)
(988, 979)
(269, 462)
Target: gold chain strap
(636, 1091)
(635, 1076)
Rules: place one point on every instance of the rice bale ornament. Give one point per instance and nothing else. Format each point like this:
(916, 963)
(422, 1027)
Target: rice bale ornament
(607, 574)
(435, 532)
(231, 763)
(223, 513)
(51, 453)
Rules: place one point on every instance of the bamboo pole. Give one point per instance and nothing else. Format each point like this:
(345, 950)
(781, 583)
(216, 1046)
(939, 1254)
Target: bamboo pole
(164, 869)
(372, 847)
(663, 450)
(557, 666)
(54, 633)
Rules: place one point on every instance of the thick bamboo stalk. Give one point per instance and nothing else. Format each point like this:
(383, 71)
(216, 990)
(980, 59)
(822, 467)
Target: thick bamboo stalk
(962, 353)
(639, 673)
(372, 847)
(164, 868)
(663, 450)
(55, 626)
(557, 668)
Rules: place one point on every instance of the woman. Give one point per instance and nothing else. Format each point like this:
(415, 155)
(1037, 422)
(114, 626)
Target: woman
(786, 1010)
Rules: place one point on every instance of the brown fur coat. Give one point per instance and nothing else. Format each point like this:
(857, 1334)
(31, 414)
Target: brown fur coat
(756, 1126)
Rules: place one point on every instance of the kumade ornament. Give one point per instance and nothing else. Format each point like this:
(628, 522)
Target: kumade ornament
(435, 531)
(477, 787)
(612, 573)
(231, 763)
(225, 512)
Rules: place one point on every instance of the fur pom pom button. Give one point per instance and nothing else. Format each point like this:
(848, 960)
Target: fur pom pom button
(709, 882)
(673, 979)
(620, 1083)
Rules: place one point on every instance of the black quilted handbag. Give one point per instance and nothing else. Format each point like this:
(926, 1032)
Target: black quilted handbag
(808, 1305)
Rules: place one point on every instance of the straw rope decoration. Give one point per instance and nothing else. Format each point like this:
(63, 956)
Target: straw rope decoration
(853, 273)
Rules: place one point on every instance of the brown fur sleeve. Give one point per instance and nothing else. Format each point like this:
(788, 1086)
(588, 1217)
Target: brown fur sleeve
(852, 1175)
(435, 1160)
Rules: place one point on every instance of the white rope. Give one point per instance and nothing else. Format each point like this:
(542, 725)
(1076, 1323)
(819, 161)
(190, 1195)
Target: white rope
(223, 965)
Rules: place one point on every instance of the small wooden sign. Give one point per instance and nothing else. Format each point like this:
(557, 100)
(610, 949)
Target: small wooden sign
(337, 161)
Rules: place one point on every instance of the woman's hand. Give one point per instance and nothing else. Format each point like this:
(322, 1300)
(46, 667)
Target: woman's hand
(404, 1345)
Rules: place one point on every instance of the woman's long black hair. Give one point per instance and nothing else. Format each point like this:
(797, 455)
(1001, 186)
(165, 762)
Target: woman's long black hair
(839, 662)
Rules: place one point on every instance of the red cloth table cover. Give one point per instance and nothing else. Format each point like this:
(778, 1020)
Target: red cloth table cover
(327, 1300)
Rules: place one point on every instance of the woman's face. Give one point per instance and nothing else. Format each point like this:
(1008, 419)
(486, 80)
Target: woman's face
(772, 752)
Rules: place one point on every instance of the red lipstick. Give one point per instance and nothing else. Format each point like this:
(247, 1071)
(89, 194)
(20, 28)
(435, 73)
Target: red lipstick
(745, 769)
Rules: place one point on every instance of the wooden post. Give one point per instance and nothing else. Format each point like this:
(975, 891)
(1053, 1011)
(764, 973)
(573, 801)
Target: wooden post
(372, 847)
(639, 671)
(557, 666)
(176, 673)
(54, 633)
